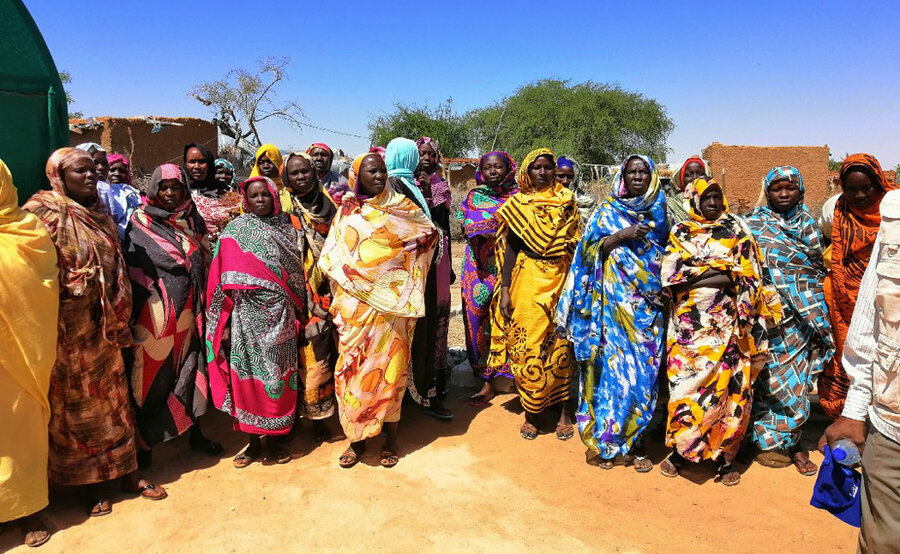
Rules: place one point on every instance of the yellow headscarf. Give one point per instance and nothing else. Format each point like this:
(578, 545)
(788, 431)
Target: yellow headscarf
(29, 295)
(547, 220)
(274, 155)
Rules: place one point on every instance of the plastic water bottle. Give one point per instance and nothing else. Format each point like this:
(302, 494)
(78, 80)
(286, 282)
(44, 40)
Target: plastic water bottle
(845, 452)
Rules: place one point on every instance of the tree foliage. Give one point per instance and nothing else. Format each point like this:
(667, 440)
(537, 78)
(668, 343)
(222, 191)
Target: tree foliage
(412, 121)
(65, 78)
(242, 100)
(595, 123)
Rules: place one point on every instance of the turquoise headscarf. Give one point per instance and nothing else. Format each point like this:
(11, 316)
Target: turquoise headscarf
(402, 158)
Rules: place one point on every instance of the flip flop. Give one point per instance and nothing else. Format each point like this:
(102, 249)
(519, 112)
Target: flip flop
(100, 512)
(243, 460)
(389, 459)
(640, 466)
(479, 400)
(348, 459)
(668, 468)
(565, 432)
(528, 431)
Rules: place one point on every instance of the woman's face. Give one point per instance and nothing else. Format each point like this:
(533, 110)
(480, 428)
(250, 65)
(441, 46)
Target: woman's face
(542, 172)
(494, 170)
(637, 177)
(102, 165)
(196, 165)
(427, 158)
(860, 190)
(118, 172)
(693, 170)
(712, 203)
(267, 167)
(372, 175)
(321, 159)
(783, 195)
(259, 199)
(170, 193)
(565, 175)
(301, 177)
(80, 180)
(224, 177)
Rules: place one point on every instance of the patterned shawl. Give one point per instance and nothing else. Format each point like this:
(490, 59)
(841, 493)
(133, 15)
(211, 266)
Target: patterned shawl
(253, 253)
(634, 267)
(792, 246)
(698, 245)
(477, 210)
(440, 189)
(379, 249)
(547, 221)
(853, 234)
(87, 248)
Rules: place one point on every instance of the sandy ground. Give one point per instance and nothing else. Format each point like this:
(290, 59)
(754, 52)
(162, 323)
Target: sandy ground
(471, 484)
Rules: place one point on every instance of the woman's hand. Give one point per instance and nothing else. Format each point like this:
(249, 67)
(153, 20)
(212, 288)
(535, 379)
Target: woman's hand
(424, 181)
(635, 232)
(505, 303)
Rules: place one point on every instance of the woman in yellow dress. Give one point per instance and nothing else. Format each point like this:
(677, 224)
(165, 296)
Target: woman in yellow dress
(539, 230)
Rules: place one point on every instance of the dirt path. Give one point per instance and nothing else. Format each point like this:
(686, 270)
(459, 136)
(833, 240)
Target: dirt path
(468, 485)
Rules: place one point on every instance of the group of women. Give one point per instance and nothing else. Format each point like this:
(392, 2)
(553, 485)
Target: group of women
(299, 293)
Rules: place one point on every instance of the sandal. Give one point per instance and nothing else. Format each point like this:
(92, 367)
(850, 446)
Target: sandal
(777, 458)
(96, 509)
(388, 458)
(349, 458)
(479, 400)
(144, 490)
(642, 464)
(669, 468)
(728, 476)
(809, 468)
(565, 431)
(528, 431)
(36, 531)
(243, 460)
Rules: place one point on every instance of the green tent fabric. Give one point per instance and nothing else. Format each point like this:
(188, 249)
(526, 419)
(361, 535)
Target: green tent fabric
(34, 118)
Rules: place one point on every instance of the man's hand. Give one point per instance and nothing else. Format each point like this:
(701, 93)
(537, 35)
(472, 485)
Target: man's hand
(844, 428)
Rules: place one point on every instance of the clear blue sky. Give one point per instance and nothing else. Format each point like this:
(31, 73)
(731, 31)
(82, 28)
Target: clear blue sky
(763, 73)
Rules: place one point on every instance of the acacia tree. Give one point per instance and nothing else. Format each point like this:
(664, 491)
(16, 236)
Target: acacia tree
(412, 121)
(66, 78)
(243, 99)
(596, 123)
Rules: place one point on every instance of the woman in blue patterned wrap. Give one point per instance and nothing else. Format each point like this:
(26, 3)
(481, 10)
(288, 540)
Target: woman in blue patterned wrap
(801, 345)
(612, 311)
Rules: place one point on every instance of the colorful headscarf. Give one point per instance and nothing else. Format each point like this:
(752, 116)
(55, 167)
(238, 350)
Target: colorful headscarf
(273, 190)
(222, 163)
(620, 191)
(209, 183)
(440, 189)
(274, 155)
(510, 167)
(324, 147)
(678, 176)
(402, 158)
(316, 206)
(546, 220)
(790, 173)
(380, 150)
(115, 157)
(390, 277)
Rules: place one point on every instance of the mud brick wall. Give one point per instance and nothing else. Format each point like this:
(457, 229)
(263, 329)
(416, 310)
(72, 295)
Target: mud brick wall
(741, 170)
(134, 137)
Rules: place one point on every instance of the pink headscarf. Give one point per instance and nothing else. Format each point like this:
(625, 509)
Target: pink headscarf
(116, 157)
(440, 189)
